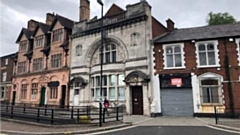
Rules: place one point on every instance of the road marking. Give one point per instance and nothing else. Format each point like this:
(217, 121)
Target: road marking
(223, 129)
(201, 120)
(142, 121)
(114, 130)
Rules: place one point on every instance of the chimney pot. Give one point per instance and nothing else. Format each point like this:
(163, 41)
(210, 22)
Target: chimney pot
(170, 25)
(84, 10)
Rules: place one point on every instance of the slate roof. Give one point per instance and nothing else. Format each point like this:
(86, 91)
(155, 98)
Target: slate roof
(200, 33)
(26, 32)
(67, 23)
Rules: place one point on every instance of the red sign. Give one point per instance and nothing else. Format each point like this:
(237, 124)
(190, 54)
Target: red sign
(176, 81)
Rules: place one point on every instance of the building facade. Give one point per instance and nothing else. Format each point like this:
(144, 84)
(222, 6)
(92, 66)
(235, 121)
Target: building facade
(41, 73)
(127, 57)
(198, 68)
(7, 65)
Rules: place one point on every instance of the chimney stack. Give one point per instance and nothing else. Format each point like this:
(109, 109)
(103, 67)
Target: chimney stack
(170, 25)
(84, 10)
(49, 18)
(32, 24)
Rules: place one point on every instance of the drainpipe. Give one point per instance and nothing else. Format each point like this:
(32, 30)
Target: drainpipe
(228, 78)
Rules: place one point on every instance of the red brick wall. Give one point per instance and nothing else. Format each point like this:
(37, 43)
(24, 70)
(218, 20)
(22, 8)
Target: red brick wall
(157, 28)
(191, 67)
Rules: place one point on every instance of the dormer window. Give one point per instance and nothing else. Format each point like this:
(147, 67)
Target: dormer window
(23, 45)
(57, 35)
(39, 41)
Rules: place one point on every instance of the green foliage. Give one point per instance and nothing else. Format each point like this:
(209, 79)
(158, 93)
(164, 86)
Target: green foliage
(220, 18)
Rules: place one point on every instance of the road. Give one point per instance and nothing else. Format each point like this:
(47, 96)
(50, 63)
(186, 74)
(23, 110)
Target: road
(170, 130)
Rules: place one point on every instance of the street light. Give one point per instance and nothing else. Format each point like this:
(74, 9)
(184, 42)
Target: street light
(101, 63)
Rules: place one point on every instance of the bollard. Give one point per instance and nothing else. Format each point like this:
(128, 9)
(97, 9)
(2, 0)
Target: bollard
(45, 112)
(100, 114)
(117, 114)
(11, 111)
(38, 114)
(215, 113)
(72, 113)
(52, 114)
(24, 108)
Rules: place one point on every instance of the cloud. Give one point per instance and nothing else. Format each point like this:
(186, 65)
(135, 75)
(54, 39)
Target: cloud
(185, 13)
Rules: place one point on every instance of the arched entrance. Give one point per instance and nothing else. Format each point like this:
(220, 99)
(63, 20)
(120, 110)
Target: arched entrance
(42, 96)
(135, 82)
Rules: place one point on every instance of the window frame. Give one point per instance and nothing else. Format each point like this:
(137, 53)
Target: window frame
(53, 93)
(237, 40)
(23, 45)
(4, 76)
(37, 64)
(96, 88)
(110, 52)
(6, 61)
(56, 60)
(39, 41)
(211, 76)
(216, 54)
(181, 45)
(34, 91)
(57, 35)
(21, 67)
(23, 91)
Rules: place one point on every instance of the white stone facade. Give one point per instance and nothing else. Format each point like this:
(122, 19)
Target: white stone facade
(133, 56)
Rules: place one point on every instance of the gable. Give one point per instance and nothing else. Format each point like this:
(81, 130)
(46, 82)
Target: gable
(57, 25)
(39, 32)
(114, 9)
(23, 38)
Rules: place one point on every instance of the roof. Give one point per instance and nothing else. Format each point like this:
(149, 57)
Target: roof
(67, 23)
(26, 32)
(44, 27)
(114, 9)
(200, 33)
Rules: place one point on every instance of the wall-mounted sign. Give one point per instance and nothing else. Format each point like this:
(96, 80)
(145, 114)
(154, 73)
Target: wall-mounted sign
(176, 82)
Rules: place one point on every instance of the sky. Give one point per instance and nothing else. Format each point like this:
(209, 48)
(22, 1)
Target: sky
(185, 13)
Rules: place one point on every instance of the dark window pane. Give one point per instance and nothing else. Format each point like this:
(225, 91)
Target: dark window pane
(169, 50)
(169, 61)
(114, 58)
(201, 47)
(107, 57)
(209, 82)
(202, 58)
(211, 58)
(178, 60)
(104, 92)
(210, 47)
(177, 49)
(113, 46)
(108, 47)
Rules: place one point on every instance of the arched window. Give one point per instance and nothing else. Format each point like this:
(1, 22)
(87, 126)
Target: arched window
(109, 53)
(78, 50)
(135, 38)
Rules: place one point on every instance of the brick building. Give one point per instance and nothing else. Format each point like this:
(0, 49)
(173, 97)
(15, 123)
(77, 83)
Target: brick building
(41, 73)
(7, 65)
(198, 68)
(127, 57)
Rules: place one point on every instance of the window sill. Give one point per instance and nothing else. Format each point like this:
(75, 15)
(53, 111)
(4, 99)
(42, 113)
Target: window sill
(209, 66)
(211, 104)
(166, 68)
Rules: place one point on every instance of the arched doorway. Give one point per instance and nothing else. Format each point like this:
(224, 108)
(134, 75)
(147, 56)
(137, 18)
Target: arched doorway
(42, 96)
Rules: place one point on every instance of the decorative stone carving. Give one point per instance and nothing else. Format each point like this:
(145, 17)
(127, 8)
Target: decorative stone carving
(43, 79)
(135, 39)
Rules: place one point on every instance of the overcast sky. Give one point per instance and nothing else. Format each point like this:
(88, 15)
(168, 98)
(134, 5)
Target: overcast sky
(185, 13)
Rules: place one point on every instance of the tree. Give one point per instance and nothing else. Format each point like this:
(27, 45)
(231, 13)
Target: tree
(220, 18)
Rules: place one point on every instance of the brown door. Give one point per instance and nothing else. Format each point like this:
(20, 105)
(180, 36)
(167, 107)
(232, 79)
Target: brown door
(137, 100)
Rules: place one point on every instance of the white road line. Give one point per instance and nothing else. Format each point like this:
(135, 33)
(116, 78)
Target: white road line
(201, 120)
(142, 121)
(114, 130)
(223, 129)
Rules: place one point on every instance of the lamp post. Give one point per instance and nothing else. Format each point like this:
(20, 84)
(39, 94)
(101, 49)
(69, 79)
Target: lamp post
(101, 63)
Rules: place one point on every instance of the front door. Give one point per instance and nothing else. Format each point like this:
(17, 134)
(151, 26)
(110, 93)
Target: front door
(137, 100)
(42, 96)
(62, 103)
(76, 97)
(13, 97)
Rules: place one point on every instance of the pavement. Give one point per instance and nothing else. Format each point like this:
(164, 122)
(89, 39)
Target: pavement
(13, 127)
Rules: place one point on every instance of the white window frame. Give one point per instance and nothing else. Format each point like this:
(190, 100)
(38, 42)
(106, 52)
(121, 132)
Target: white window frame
(4, 76)
(6, 61)
(238, 49)
(181, 45)
(212, 76)
(215, 43)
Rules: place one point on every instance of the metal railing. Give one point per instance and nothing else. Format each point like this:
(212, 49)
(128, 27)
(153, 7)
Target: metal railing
(60, 116)
(221, 117)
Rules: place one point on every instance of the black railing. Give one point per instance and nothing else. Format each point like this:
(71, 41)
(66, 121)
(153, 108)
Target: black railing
(60, 116)
(227, 118)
